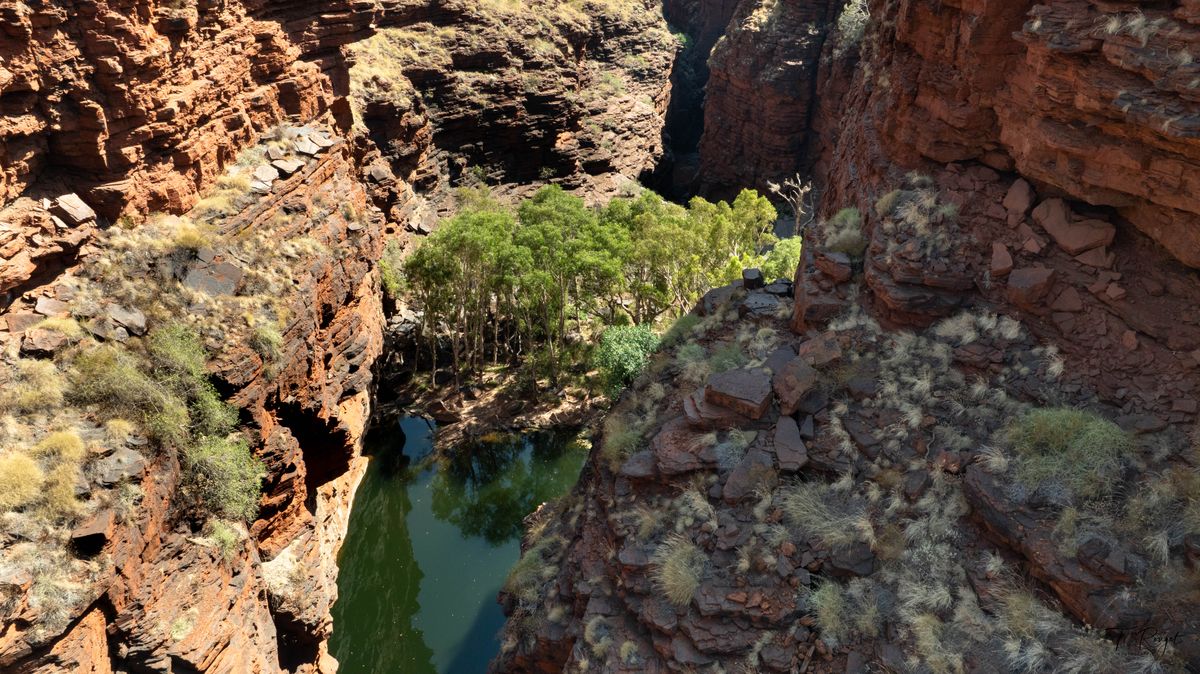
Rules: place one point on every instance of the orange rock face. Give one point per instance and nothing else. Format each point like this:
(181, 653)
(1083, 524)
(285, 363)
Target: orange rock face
(143, 103)
(1089, 100)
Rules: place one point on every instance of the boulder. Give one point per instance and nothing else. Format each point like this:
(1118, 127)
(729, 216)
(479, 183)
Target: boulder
(705, 415)
(306, 146)
(855, 559)
(287, 166)
(1054, 216)
(1002, 261)
(759, 305)
(49, 306)
(43, 343)
(266, 174)
(1028, 286)
(89, 538)
(222, 278)
(755, 469)
(752, 279)
(820, 350)
(123, 464)
(1019, 198)
(72, 210)
(790, 450)
(131, 319)
(679, 448)
(792, 383)
(835, 265)
(746, 391)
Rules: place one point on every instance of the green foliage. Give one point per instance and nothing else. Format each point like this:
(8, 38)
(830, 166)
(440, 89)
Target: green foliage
(36, 387)
(209, 414)
(523, 280)
(116, 381)
(680, 330)
(828, 607)
(843, 233)
(227, 477)
(622, 354)
(267, 343)
(225, 537)
(1079, 449)
(784, 259)
(391, 269)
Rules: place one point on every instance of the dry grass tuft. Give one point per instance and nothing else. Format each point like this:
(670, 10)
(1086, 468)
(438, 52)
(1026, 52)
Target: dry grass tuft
(678, 565)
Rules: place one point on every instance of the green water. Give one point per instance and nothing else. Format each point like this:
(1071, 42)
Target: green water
(427, 550)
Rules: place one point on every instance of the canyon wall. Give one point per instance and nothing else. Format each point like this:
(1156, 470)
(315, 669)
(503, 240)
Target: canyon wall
(1086, 100)
(1021, 174)
(114, 113)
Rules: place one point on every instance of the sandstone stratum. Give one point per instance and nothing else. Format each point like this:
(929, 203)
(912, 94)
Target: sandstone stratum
(962, 434)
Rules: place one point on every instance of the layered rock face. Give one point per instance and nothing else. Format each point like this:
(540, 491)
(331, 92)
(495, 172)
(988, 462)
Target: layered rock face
(1088, 100)
(515, 93)
(112, 112)
(760, 93)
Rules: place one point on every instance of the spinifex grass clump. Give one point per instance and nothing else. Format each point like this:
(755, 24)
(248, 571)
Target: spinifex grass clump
(1078, 449)
(678, 565)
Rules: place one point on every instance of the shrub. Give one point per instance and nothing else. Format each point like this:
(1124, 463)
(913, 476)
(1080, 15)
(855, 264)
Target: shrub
(177, 354)
(61, 445)
(37, 387)
(843, 233)
(267, 343)
(227, 477)
(727, 357)
(225, 537)
(67, 326)
(20, 481)
(678, 565)
(115, 381)
(118, 430)
(680, 330)
(851, 24)
(828, 607)
(210, 415)
(622, 354)
(817, 510)
(391, 265)
(1079, 449)
(784, 259)
(60, 502)
(622, 436)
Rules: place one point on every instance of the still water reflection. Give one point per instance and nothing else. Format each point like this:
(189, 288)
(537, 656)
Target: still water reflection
(427, 549)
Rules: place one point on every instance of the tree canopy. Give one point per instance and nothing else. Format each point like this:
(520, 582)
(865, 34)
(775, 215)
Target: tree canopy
(519, 281)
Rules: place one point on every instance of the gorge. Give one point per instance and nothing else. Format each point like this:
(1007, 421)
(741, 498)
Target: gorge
(961, 437)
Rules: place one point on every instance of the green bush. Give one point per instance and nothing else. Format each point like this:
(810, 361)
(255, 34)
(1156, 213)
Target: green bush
(843, 233)
(680, 330)
(391, 269)
(622, 354)
(226, 476)
(225, 537)
(1079, 449)
(210, 415)
(116, 382)
(783, 259)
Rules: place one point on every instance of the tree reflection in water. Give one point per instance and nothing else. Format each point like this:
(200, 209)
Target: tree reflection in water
(490, 486)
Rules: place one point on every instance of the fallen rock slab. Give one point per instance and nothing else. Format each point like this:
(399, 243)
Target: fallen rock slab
(743, 390)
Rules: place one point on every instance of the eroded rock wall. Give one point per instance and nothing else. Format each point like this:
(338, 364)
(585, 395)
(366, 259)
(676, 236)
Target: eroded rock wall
(1093, 101)
(759, 99)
